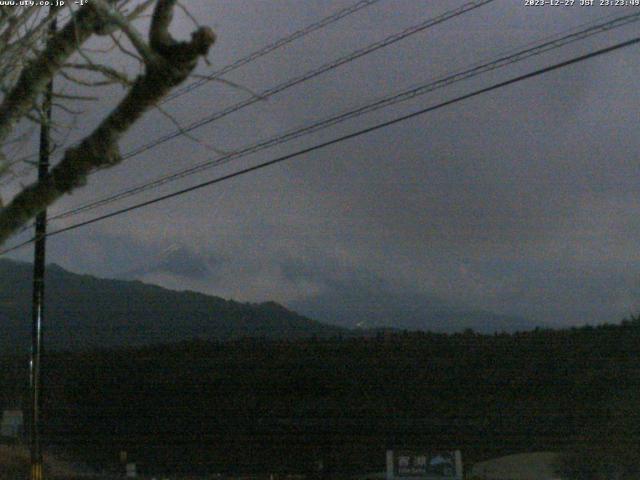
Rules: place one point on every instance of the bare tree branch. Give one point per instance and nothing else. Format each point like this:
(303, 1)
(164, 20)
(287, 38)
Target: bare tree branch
(37, 74)
(171, 63)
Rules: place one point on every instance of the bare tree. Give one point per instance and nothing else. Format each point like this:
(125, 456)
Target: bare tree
(30, 58)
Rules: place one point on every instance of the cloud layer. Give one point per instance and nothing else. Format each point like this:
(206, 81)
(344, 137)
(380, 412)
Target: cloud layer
(523, 201)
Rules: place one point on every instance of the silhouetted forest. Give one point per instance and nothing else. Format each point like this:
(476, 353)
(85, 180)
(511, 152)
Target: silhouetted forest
(281, 406)
(85, 312)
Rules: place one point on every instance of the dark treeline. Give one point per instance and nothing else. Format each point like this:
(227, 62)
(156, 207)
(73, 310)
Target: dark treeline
(262, 405)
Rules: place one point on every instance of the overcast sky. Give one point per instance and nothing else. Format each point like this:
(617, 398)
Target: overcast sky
(522, 201)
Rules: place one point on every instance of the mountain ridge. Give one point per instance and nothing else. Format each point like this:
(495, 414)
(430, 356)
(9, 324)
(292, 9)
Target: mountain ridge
(110, 313)
(85, 312)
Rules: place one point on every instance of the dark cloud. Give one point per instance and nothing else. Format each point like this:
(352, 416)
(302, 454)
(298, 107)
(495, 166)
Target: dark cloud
(522, 201)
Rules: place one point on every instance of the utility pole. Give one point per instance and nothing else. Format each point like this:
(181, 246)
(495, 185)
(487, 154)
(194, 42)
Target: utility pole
(37, 307)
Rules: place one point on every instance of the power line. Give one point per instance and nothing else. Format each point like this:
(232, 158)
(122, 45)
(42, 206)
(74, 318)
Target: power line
(391, 39)
(442, 82)
(340, 139)
(309, 75)
(324, 22)
(273, 46)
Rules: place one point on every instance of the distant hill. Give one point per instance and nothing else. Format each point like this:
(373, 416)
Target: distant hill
(88, 312)
(374, 305)
(357, 300)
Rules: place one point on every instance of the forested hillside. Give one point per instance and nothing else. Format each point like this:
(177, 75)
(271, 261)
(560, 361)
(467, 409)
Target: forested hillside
(256, 405)
(85, 312)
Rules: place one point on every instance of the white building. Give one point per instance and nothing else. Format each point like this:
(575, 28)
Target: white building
(522, 466)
